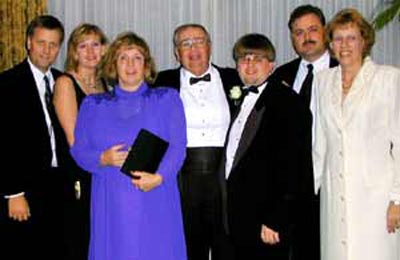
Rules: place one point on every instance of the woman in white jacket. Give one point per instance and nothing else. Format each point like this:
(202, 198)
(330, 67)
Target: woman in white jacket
(356, 149)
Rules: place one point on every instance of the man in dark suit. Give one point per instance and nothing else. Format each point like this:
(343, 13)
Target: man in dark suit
(307, 30)
(203, 89)
(31, 203)
(266, 156)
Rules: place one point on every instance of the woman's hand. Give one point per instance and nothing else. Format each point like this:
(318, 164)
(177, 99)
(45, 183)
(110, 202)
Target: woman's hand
(114, 156)
(146, 181)
(393, 217)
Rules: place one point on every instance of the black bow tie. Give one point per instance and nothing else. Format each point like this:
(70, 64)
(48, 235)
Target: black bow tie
(253, 89)
(206, 77)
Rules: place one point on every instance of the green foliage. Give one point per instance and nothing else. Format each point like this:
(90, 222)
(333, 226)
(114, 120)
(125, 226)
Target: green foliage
(387, 15)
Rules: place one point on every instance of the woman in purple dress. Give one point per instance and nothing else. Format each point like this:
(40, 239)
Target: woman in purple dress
(132, 218)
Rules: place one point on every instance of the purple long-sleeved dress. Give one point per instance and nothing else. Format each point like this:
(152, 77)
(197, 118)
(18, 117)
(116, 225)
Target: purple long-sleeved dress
(126, 223)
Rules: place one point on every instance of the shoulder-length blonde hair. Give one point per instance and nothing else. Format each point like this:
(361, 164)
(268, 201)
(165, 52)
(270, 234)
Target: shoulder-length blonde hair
(123, 41)
(76, 37)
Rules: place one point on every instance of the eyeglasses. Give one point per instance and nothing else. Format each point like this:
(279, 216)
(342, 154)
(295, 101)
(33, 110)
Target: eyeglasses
(192, 42)
(251, 58)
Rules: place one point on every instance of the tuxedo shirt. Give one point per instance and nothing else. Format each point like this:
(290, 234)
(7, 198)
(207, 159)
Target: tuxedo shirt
(238, 126)
(206, 109)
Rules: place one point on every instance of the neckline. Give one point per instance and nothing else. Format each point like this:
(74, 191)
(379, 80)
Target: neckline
(124, 93)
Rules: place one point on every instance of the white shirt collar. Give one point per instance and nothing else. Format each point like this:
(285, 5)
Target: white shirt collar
(319, 64)
(186, 75)
(39, 75)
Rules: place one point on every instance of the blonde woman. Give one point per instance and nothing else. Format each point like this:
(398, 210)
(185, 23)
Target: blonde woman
(86, 47)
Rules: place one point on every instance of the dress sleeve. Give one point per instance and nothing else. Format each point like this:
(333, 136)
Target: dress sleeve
(174, 118)
(394, 128)
(318, 136)
(82, 151)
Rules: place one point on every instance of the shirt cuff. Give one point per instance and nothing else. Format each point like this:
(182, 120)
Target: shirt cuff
(394, 196)
(14, 195)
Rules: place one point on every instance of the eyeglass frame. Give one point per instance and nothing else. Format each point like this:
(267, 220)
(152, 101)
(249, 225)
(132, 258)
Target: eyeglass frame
(251, 57)
(190, 43)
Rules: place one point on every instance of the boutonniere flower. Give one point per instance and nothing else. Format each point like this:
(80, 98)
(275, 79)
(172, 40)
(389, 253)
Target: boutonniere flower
(235, 94)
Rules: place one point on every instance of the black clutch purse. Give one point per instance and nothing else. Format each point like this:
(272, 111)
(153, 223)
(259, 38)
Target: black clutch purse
(145, 153)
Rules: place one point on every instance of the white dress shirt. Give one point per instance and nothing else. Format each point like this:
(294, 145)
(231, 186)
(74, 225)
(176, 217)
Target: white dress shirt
(318, 65)
(237, 128)
(206, 110)
(40, 84)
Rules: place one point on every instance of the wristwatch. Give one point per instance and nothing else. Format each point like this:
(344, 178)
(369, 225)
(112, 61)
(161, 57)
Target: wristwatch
(396, 202)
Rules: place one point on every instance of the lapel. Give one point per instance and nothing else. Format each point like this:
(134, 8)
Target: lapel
(333, 62)
(286, 74)
(251, 127)
(356, 96)
(168, 78)
(31, 91)
(344, 111)
(31, 101)
(33, 97)
(176, 78)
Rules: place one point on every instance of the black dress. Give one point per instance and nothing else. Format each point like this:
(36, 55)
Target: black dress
(77, 203)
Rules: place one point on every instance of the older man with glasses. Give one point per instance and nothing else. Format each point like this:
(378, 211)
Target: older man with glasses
(204, 90)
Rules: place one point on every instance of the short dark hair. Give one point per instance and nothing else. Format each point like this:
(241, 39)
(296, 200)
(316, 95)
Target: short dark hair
(304, 10)
(44, 21)
(253, 42)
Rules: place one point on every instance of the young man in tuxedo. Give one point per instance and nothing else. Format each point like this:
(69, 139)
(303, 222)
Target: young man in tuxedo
(266, 156)
(31, 204)
(307, 31)
(203, 89)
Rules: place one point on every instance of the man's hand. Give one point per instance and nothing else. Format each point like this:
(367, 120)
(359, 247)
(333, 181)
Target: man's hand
(18, 208)
(269, 236)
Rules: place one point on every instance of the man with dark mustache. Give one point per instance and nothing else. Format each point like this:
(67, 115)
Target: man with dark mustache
(306, 25)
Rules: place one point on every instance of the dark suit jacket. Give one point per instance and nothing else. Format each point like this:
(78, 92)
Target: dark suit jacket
(229, 78)
(288, 71)
(286, 74)
(272, 156)
(28, 149)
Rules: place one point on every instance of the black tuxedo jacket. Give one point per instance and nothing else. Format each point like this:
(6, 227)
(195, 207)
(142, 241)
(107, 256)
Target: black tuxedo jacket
(272, 157)
(28, 149)
(288, 71)
(229, 78)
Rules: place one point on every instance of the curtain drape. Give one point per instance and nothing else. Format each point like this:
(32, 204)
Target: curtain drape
(15, 17)
(226, 20)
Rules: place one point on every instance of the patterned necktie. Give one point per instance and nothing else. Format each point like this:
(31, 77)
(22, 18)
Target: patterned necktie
(206, 77)
(50, 109)
(305, 91)
(48, 98)
(47, 93)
